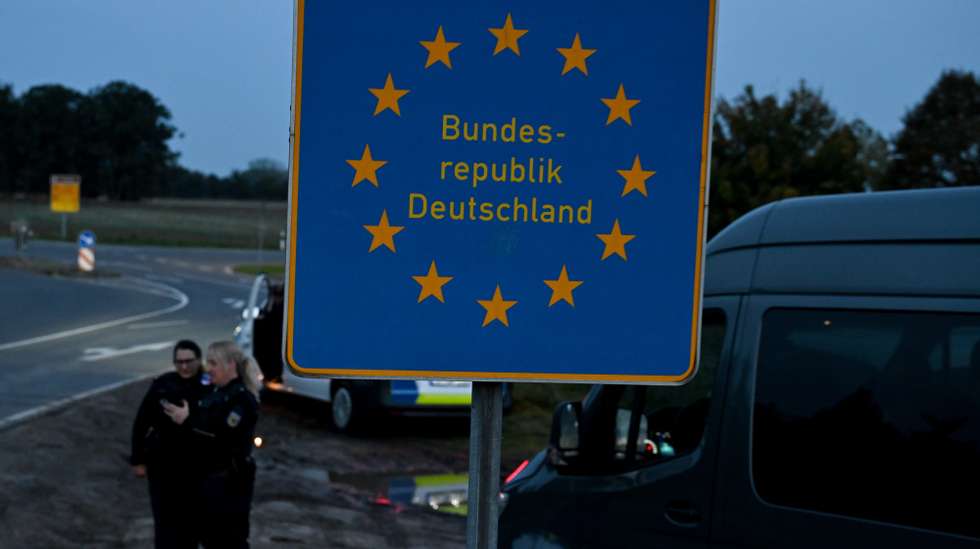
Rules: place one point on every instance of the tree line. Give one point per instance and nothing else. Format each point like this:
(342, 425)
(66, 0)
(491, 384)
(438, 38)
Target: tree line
(764, 148)
(117, 137)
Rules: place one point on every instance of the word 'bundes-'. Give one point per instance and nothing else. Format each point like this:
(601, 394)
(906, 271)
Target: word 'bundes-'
(453, 128)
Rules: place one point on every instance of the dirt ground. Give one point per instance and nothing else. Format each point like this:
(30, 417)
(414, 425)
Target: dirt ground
(65, 481)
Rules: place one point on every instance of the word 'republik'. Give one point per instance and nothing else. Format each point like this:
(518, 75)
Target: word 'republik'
(520, 170)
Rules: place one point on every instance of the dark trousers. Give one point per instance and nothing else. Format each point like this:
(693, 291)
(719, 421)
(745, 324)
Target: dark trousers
(227, 502)
(175, 516)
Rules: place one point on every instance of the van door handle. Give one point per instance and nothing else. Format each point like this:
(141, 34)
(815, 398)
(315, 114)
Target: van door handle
(683, 514)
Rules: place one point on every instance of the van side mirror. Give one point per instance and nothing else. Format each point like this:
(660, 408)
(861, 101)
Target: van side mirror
(249, 313)
(565, 440)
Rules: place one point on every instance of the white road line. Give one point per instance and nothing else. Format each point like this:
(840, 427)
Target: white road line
(161, 324)
(20, 417)
(164, 278)
(174, 293)
(103, 353)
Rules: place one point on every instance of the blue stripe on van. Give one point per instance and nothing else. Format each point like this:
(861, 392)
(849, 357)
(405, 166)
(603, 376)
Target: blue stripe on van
(404, 393)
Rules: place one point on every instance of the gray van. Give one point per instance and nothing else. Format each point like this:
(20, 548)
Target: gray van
(837, 402)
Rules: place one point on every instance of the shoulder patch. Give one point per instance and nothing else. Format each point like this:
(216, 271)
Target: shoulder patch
(233, 419)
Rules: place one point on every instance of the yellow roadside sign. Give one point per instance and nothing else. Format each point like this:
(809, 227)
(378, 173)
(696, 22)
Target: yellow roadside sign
(65, 193)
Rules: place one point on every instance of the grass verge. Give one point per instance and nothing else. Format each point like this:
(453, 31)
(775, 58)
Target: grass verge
(159, 223)
(51, 268)
(272, 269)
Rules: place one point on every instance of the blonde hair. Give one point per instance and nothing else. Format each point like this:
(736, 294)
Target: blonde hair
(246, 366)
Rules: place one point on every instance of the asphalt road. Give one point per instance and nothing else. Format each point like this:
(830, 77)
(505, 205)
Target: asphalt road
(61, 337)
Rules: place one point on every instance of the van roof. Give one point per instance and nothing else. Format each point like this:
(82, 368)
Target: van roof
(921, 242)
(928, 214)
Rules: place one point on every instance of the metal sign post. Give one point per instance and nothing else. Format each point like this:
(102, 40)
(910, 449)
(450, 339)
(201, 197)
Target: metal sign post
(486, 424)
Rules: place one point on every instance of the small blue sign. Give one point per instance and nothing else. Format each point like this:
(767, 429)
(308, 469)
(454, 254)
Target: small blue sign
(86, 239)
(487, 193)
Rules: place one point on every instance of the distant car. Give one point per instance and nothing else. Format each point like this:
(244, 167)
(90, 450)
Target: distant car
(353, 403)
(836, 403)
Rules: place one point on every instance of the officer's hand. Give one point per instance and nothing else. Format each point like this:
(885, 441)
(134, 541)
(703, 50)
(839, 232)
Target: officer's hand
(177, 413)
(139, 470)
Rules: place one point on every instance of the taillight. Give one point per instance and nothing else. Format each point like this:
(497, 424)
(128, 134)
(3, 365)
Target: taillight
(516, 472)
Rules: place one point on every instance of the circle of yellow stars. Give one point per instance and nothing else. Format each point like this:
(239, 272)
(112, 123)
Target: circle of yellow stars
(507, 36)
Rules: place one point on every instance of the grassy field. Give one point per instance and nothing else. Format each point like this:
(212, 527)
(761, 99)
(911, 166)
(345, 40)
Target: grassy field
(221, 224)
(271, 269)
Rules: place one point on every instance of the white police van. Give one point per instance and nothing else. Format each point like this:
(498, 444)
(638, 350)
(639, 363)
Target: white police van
(353, 403)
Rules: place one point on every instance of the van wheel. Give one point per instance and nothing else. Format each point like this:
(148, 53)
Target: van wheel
(344, 410)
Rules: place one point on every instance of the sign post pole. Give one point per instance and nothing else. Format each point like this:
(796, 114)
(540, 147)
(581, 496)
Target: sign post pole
(64, 226)
(486, 423)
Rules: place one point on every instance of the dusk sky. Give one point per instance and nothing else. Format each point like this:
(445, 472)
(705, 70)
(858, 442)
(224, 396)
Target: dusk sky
(223, 67)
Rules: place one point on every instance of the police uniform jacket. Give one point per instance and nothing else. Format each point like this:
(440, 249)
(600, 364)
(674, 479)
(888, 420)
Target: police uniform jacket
(156, 438)
(223, 427)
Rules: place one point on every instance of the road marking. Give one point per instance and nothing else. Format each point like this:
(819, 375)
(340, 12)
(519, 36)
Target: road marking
(95, 354)
(166, 291)
(161, 324)
(164, 278)
(31, 413)
(234, 302)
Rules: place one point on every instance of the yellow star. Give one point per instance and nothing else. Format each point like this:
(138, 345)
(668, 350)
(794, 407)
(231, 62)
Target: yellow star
(619, 107)
(507, 37)
(636, 178)
(366, 168)
(561, 289)
(575, 57)
(496, 308)
(383, 233)
(388, 97)
(439, 49)
(615, 242)
(432, 284)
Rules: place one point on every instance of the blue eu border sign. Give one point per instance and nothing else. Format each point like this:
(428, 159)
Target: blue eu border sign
(499, 191)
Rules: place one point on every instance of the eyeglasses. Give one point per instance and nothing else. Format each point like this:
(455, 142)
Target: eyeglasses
(185, 361)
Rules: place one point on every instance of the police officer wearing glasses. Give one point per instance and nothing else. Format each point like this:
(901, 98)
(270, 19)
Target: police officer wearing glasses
(163, 451)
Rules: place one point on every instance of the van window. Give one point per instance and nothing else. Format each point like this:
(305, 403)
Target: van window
(873, 415)
(653, 424)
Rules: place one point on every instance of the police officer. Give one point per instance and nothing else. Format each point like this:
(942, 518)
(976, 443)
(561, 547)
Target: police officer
(223, 425)
(161, 450)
